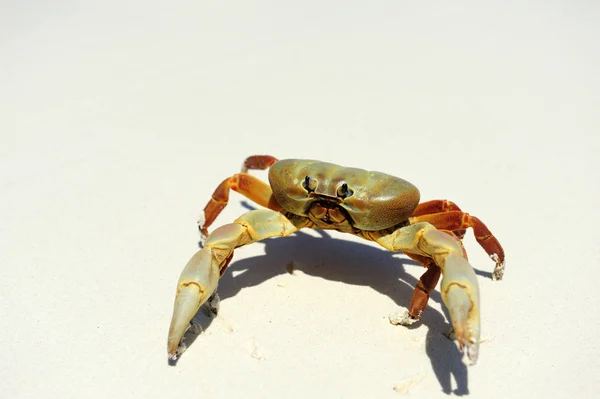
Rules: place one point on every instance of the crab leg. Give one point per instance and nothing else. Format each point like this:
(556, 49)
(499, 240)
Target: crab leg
(459, 289)
(425, 286)
(201, 275)
(437, 206)
(258, 162)
(458, 221)
(245, 184)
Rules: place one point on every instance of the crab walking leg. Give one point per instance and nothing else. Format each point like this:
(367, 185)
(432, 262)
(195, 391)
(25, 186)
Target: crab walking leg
(457, 221)
(420, 296)
(249, 186)
(425, 286)
(258, 162)
(201, 275)
(437, 206)
(459, 289)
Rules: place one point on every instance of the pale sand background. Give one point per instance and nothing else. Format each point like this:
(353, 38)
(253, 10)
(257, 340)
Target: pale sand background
(117, 121)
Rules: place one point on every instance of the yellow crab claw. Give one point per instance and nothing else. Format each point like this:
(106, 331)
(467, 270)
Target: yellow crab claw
(187, 303)
(465, 320)
(460, 293)
(196, 284)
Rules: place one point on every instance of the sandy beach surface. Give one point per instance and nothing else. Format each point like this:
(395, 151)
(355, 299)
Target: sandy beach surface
(119, 119)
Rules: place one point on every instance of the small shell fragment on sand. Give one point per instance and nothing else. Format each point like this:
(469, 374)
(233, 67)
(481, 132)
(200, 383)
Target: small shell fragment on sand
(256, 351)
(406, 385)
(226, 323)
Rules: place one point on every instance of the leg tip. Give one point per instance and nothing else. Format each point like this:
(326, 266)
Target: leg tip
(499, 269)
(402, 318)
(203, 231)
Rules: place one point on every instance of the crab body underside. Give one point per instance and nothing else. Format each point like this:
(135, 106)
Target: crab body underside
(373, 205)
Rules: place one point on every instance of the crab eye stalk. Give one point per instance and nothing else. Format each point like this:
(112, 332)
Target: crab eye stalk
(309, 184)
(344, 191)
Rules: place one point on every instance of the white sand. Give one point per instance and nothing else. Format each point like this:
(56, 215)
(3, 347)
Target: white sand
(118, 120)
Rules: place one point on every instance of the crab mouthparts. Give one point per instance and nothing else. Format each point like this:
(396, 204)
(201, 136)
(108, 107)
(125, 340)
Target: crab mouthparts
(327, 212)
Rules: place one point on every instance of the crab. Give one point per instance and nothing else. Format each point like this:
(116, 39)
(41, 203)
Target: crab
(373, 205)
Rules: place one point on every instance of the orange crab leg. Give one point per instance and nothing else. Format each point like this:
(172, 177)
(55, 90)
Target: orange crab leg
(258, 162)
(458, 221)
(249, 186)
(425, 286)
(437, 206)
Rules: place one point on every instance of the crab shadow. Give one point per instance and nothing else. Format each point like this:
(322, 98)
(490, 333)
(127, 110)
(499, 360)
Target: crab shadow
(353, 263)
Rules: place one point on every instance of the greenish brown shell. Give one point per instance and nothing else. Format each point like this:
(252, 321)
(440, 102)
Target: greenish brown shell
(378, 200)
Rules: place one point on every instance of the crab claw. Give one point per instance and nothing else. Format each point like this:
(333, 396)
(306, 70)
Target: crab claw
(196, 284)
(460, 293)
(464, 320)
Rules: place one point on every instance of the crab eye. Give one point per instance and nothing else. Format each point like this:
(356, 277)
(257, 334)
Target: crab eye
(309, 184)
(344, 191)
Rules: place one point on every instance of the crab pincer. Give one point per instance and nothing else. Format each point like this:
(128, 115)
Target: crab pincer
(200, 277)
(460, 293)
(196, 284)
(459, 288)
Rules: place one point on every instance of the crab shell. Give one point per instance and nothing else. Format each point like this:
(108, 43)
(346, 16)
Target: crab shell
(380, 201)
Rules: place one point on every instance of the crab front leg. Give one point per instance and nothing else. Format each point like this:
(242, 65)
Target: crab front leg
(200, 277)
(459, 288)
(249, 186)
